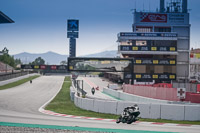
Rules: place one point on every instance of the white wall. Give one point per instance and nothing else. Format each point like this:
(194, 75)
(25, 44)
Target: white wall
(147, 110)
(131, 97)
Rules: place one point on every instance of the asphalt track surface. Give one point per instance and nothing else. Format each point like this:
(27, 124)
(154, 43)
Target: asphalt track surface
(20, 105)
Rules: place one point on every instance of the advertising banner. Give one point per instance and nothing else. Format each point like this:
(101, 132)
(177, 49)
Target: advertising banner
(72, 25)
(133, 34)
(153, 17)
(27, 66)
(161, 18)
(99, 64)
(45, 67)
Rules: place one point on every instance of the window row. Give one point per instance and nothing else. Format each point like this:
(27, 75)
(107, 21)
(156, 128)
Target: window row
(157, 69)
(149, 43)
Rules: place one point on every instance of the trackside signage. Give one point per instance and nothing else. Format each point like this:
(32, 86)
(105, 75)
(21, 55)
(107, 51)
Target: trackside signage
(159, 18)
(133, 34)
(45, 67)
(153, 17)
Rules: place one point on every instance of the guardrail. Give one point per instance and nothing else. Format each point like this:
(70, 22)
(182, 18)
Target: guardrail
(7, 76)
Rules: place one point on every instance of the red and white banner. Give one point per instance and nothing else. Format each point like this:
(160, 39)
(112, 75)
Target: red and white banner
(153, 17)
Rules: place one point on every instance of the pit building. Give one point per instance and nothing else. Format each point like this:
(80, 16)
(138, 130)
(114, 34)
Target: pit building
(159, 44)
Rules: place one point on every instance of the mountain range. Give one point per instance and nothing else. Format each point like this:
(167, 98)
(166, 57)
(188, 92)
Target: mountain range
(52, 58)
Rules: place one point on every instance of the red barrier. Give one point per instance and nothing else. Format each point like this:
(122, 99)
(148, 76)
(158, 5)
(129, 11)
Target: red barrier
(160, 93)
(192, 97)
(152, 92)
(198, 88)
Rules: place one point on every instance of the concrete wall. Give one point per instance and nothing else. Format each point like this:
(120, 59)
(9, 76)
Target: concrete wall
(183, 44)
(147, 110)
(182, 70)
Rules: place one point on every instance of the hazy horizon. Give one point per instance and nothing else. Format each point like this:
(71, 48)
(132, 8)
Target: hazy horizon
(41, 26)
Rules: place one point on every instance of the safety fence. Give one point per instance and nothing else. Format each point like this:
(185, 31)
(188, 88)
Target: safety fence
(162, 93)
(16, 79)
(192, 97)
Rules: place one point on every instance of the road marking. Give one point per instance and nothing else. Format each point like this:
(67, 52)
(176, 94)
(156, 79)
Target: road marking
(42, 110)
(113, 120)
(91, 84)
(43, 106)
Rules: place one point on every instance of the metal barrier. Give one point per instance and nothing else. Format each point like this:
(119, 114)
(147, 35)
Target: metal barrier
(7, 76)
(78, 84)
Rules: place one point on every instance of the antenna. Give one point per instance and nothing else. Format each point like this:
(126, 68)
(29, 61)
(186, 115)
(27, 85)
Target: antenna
(135, 4)
(143, 5)
(134, 9)
(149, 6)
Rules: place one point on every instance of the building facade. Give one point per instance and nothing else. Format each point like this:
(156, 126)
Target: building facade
(159, 44)
(195, 65)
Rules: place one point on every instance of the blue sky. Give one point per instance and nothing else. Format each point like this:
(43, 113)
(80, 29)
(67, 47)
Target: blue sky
(41, 25)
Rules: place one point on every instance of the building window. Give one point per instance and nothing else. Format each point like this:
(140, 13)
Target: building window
(144, 29)
(128, 42)
(141, 43)
(162, 29)
(163, 43)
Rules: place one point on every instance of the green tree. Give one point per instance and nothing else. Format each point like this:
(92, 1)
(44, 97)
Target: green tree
(38, 61)
(7, 59)
(63, 62)
(17, 62)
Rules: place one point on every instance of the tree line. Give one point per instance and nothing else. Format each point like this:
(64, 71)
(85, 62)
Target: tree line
(8, 59)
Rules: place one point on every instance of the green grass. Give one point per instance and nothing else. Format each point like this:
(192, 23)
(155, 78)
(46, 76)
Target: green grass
(62, 104)
(10, 85)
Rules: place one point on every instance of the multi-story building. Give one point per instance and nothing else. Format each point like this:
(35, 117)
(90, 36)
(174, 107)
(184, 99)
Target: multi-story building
(159, 44)
(195, 65)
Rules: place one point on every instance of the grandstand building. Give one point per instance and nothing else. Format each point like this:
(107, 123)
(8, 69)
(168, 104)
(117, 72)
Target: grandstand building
(159, 44)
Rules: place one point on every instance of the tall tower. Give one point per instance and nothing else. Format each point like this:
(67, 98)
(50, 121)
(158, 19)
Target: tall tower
(159, 44)
(72, 34)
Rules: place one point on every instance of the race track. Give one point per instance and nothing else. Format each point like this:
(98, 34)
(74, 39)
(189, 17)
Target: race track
(20, 105)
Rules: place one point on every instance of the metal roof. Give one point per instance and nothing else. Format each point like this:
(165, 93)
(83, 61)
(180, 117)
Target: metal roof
(5, 19)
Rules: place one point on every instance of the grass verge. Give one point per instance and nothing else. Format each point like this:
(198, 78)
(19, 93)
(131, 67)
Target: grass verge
(10, 85)
(62, 104)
